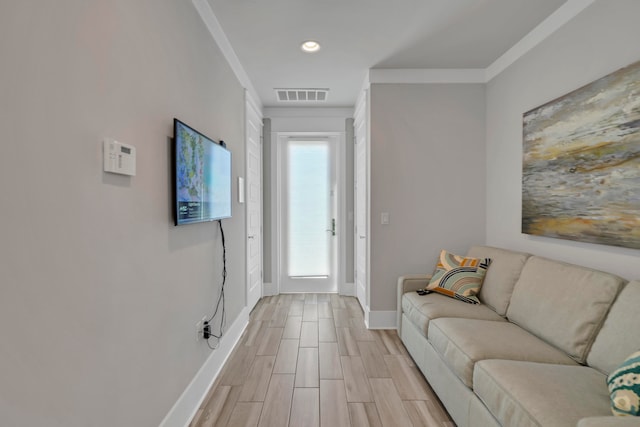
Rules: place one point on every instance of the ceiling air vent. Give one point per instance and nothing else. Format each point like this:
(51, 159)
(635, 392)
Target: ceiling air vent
(302, 95)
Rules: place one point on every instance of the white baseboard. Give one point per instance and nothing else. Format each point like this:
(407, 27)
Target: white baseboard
(187, 405)
(269, 289)
(348, 289)
(380, 319)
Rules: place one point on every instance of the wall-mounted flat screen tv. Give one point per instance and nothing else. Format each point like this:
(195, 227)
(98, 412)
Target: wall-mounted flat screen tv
(202, 176)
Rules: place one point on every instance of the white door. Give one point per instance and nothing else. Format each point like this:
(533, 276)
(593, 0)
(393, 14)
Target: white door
(308, 214)
(361, 202)
(253, 198)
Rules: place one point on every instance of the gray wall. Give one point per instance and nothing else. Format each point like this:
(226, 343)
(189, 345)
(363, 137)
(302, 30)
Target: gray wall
(428, 172)
(600, 40)
(100, 292)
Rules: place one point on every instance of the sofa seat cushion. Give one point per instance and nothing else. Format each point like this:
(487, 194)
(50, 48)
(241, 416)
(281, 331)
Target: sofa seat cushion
(463, 342)
(610, 421)
(536, 394)
(420, 309)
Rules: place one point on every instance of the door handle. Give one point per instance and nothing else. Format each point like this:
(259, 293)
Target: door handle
(253, 236)
(362, 237)
(333, 227)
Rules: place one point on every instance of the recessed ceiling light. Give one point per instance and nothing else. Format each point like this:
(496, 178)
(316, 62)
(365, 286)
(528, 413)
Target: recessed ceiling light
(310, 46)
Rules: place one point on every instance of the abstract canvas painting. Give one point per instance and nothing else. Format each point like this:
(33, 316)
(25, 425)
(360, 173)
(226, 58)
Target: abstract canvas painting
(581, 163)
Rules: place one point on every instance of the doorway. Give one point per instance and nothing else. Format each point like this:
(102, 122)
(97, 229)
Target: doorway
(361, 192)
(308, 213)
(253, 196)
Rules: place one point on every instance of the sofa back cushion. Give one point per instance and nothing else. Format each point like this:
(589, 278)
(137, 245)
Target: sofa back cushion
(620, 333)
(501, 277)
(563, 304)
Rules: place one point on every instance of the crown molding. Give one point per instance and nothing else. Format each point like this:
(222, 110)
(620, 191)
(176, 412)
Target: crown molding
(555, 21)
(426, 75)
(214, 27)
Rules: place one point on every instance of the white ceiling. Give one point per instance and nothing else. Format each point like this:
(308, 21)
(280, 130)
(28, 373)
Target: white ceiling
(357, 35)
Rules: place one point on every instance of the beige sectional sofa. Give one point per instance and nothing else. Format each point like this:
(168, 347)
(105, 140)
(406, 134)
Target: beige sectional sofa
(538, 349)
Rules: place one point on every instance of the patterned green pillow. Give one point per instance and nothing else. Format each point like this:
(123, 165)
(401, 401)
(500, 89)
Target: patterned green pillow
(624, 387)
(459, 277)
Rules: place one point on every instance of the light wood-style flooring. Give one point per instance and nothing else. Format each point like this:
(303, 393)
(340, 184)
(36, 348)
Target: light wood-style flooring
(308, 360)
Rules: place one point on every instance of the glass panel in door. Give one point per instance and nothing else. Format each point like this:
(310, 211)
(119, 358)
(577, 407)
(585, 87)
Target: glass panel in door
(308, 208)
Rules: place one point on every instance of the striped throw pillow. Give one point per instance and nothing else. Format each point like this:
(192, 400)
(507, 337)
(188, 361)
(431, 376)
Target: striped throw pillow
(624, 387)
(459, 277)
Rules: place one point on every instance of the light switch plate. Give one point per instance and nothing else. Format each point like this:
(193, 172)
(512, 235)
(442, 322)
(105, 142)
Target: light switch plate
(240, 189)
(384, 218)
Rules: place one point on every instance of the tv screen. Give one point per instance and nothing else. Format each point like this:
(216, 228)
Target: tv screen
(202, 171)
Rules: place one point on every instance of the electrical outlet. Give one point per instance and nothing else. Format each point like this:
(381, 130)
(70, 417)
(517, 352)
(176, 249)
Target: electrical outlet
(200, 328)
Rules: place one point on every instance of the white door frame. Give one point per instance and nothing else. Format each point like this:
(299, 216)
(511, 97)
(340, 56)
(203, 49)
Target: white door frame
(278, 142)
(253, 234)
(362, 231)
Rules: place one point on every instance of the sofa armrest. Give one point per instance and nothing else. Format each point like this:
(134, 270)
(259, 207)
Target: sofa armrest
(610, 421)
(409, 283)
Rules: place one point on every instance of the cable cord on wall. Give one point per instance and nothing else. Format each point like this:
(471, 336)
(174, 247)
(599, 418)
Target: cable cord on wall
(223, 314)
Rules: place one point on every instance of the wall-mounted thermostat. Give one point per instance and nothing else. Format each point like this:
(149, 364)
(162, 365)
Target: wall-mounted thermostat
(240, 189)
(119, 158)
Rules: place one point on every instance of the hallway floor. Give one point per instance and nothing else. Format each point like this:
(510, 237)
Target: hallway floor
(308, 360)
